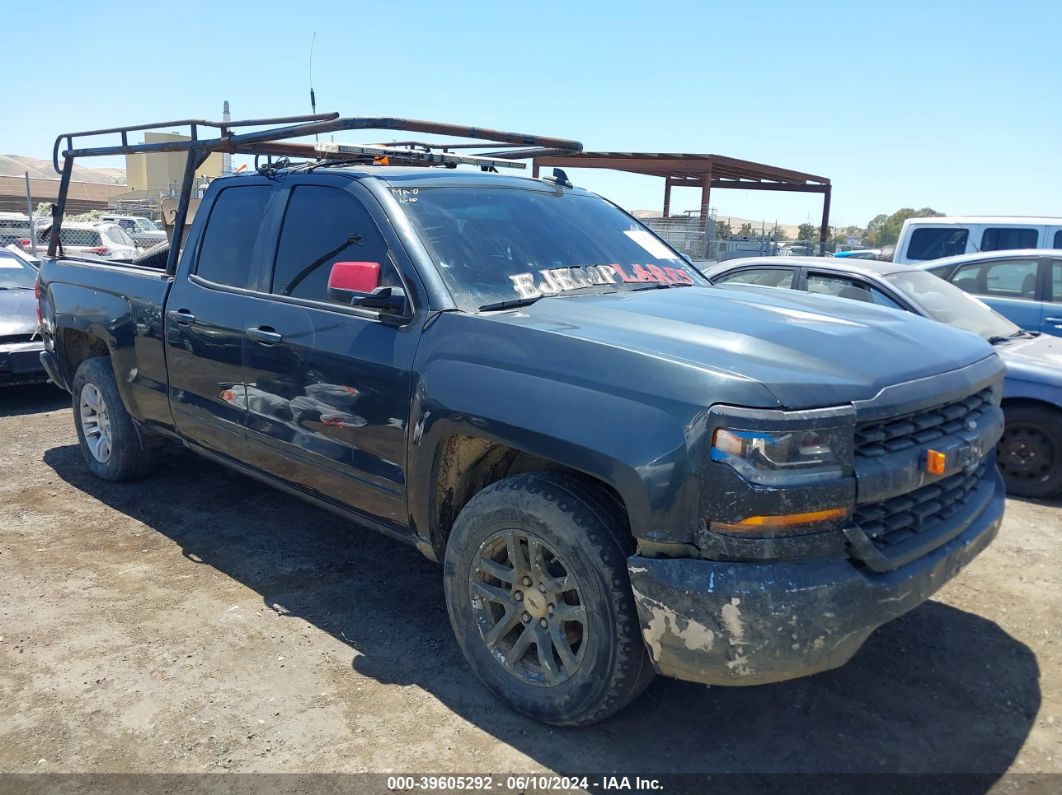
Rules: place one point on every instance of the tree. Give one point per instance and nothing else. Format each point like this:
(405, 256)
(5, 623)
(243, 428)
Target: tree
(746, 230)
(778, 233)
(807, 232)
(723, 230)
(884, 230)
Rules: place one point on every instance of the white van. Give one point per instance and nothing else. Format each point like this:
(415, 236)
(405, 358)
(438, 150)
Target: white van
(923, 239)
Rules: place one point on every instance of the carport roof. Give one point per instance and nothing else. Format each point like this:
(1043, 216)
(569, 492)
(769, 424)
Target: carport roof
(691, 169)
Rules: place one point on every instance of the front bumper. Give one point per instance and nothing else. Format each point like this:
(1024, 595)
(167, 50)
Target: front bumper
(729, 623)
(20, 363)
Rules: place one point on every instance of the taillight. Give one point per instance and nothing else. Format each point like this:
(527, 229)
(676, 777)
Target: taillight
(37, 295)
(102, 251)
(25, 243)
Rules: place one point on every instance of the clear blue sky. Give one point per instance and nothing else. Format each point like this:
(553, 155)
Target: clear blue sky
(953, 105)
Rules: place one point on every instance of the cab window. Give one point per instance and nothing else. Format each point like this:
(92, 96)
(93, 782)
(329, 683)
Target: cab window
(1012, 278)
(853, 289)
(322, 226)
(764, 277)
(231, 234)
(1056, 280)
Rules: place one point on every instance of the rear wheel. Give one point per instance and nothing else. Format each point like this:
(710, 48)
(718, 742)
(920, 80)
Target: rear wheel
(540, 601)
(1030, 452)
(109, 442)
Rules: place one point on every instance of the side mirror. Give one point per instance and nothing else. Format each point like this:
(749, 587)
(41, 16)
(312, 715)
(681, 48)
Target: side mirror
(350, 280)
(358, 284)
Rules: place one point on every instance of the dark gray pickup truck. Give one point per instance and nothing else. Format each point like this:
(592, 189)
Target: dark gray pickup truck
(622, 469)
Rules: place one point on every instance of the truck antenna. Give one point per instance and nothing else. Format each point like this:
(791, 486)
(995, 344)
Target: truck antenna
(313, 99)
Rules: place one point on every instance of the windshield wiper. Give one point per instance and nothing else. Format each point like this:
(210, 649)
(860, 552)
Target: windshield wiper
(515, 302)
(659, 286)
(511, 303)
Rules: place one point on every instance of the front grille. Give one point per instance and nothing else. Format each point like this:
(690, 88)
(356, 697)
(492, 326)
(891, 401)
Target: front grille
(901, 433)
(901, 518)
(6, 339)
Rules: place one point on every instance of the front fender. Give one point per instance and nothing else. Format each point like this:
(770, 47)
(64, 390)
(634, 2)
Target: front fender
(638, 449)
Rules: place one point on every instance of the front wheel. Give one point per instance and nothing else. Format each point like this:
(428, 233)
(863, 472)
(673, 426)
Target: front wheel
(540, 601)
(109, 442)
(1030, 452)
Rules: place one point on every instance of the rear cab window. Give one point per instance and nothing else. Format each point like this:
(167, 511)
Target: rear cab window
(1056, 280)
(934, 242)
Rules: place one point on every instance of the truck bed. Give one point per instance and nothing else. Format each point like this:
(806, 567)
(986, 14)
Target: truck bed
(124, 308)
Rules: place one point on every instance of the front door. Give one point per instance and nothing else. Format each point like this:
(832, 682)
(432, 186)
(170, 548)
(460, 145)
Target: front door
(328, 385)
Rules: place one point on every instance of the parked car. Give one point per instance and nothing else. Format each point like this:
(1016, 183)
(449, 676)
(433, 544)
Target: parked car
(19, 252)
(859, 253)
(621, 468)
(924, 239)
(20, 340)
(93, 240)
(1024, 285)
(1030, 452)
(144, 233)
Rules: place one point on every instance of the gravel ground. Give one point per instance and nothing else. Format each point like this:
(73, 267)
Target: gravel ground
(197, 621)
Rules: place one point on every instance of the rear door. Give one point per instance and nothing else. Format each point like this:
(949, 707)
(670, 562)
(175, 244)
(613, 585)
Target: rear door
(206, 316)
(1010, 285)
(328, 385)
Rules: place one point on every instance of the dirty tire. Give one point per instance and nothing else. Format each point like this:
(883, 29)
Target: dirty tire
(586, 530)
(1030, 452)
(126, 458)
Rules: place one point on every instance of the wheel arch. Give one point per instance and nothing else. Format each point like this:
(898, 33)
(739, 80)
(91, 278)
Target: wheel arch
(464, 464)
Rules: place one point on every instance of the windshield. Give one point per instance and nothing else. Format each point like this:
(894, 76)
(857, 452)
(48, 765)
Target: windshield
(15, 275)
(495, 245)
(144, 225)
(947, 303)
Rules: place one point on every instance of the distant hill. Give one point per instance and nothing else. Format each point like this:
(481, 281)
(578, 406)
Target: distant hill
(17, 165)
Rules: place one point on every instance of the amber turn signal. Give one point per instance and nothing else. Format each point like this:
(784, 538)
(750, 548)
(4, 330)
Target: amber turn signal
(936, 462)
(753, 525)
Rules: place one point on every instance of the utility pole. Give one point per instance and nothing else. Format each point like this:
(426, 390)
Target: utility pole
(29, 211)
(226, 159)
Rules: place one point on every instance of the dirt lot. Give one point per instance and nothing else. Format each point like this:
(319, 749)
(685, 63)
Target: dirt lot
(198, 621)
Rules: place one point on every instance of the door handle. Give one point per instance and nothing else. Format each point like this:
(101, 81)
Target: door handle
(1057, 321)
(182, 316)
(265, 335)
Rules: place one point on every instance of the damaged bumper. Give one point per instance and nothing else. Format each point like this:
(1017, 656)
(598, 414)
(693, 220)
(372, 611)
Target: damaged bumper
(728, 623)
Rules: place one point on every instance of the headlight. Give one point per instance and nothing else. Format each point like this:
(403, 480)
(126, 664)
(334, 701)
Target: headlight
(782, 457)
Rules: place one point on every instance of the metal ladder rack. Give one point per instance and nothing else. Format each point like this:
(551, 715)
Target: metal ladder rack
(277, 141)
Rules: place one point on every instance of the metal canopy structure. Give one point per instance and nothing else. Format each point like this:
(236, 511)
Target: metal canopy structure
(685, 170)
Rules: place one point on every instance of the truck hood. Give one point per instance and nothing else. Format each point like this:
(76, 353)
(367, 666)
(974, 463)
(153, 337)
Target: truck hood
(808, 350)
(18, 312)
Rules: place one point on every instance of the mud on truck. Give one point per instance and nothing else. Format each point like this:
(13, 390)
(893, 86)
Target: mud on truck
(622, 470)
